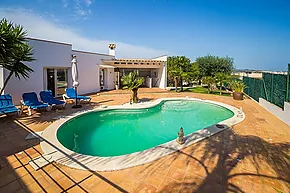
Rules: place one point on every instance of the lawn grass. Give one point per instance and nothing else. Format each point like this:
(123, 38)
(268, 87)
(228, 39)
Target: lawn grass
(203, 90)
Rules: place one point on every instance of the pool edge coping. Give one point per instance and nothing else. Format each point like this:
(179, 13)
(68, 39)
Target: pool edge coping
(60, 154)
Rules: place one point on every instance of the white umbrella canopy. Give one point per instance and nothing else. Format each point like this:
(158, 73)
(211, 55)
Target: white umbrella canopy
(74, 71)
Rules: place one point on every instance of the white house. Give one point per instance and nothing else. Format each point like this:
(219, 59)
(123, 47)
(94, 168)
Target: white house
(52, 70)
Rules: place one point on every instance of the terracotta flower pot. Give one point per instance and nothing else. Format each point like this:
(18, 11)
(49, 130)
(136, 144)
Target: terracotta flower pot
(238, 95)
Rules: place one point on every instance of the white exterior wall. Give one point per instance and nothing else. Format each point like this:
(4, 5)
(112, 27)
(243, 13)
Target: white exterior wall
(162, 72)
(162, 58)
(284, 115)
(47, 54)
(89, 71)
(112, 52)
(110, 79)
(57, 55)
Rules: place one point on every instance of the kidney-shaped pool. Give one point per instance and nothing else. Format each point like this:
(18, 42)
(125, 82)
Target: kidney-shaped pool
(124, 131)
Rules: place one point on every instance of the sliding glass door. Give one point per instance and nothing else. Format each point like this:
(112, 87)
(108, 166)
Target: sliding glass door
(57, 80)
(61, 81)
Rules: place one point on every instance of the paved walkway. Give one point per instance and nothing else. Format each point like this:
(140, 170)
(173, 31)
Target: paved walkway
(253, 156)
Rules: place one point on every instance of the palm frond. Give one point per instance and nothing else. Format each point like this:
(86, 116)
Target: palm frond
(14, 49)
(131, 81)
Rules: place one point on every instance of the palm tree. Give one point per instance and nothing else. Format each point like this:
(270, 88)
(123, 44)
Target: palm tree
(10, 36)
(184, 66)
(173, 70)
(221, 78)
(175, 74)
(14, 51)
(209, 80)
(238, 85)
(179, 68)
(132, 82)
(192, 72)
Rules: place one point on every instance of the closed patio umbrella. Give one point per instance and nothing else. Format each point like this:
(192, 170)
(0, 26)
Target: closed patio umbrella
(74, 71)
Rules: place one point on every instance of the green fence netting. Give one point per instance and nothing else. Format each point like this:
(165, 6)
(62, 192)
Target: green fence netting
(275, 88)
(254, 86)
(279, 89)
(267, 83)
(272, 87)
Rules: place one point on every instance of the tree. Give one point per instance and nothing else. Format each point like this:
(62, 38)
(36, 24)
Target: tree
(209, 80)
(14, 51)
(210, 65)
(179, 68)
(132, 82)
(173, 70)
(191, 73)
(174, 74)
(221, 78)
(184, 68)
(10, 36)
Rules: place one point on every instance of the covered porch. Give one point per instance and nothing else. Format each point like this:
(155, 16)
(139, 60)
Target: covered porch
(153, 71)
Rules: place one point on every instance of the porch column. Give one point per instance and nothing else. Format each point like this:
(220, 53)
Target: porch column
(163, 77)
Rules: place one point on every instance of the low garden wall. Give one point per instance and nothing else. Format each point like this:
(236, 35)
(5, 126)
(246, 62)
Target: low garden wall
(284, 115)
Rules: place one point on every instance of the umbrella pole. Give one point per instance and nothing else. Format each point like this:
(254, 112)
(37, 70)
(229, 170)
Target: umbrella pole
(76, 105)
(76, 96)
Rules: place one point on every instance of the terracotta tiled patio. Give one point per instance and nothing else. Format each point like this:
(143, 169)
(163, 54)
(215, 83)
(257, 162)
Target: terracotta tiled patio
(253, 156)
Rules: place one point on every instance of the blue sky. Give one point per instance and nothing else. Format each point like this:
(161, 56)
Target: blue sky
(256, 33)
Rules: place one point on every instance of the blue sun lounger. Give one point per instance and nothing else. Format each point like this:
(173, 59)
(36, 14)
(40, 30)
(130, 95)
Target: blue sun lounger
(47, 97)
(31, 101)
(6, 105)
(71, 94)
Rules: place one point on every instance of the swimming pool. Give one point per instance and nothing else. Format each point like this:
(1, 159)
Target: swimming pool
(119, 132)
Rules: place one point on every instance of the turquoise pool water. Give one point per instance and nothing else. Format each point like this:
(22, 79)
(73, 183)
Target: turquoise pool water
(120, 132)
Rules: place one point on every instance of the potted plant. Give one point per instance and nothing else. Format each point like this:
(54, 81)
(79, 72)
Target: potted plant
(238, 89)
(132, 82)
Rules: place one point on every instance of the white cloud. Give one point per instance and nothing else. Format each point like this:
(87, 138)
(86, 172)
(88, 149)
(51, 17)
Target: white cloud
(39, 27)
(88, 2)
(64, 3)
(81, 8)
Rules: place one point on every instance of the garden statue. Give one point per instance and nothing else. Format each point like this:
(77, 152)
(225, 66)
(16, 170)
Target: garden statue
(180, 138)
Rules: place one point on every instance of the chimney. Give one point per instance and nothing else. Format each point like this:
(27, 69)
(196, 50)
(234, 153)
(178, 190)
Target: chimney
(112, 49)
